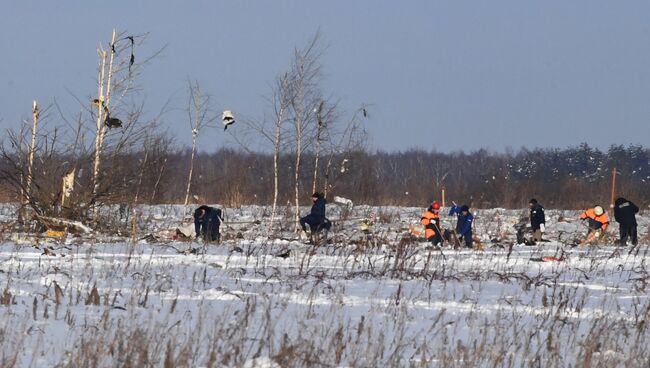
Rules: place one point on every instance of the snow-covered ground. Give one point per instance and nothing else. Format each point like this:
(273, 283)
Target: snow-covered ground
(366, 299)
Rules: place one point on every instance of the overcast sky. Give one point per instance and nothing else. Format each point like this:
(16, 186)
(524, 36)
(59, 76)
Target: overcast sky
(445, 75)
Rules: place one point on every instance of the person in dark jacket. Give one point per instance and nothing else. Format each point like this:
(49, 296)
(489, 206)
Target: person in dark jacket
(624, 214)
(206, 223)
(464, 224)
(316, 218)
(537, 219)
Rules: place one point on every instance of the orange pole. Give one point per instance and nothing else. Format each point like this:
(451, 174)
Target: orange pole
(443, 197)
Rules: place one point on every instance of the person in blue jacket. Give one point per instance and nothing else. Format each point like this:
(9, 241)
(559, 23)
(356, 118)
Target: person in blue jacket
(206, 223)
(464, 224)
(316, 218)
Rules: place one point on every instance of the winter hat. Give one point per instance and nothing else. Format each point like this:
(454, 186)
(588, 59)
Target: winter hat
(598, 210)
(435, 205)
(315, 195)
(464, 208)
(533, 201)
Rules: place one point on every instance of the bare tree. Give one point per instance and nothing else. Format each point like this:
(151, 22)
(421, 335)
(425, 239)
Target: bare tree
(103, 106)
(305, 98)
(96, 171)
(281, 100)
(326, 135)
(319, 131)
(35, 172)
(272, 131)
(161, 152)
(117, 73)
(198, 109)
(342, 144)
(32, 148)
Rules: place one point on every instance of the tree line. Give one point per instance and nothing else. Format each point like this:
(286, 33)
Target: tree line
(574, 177)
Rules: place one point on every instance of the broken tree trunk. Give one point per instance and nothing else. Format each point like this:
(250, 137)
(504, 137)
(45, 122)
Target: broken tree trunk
(59, 222)
(102, 107)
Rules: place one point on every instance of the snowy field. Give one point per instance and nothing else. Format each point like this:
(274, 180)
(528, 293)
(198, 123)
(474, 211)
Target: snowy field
(365, 299)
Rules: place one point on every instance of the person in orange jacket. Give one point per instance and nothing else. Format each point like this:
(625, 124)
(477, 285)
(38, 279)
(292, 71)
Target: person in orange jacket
(431, 221)
(598, 221)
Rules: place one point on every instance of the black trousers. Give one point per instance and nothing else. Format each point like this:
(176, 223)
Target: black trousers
(628, 230)
(314, 222)
(210, 231)
(436, 239)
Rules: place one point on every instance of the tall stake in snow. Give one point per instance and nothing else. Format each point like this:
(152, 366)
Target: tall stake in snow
(103, 103)
(444, 203)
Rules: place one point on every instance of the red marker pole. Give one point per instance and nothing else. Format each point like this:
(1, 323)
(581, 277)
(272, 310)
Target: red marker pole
(443, 197)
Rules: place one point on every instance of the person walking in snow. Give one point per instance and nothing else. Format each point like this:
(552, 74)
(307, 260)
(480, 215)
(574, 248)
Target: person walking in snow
(206, 223)
(464, 223)
(624, 214)
(598, 221)
(316, 218)
(537, 219)
(431, 221)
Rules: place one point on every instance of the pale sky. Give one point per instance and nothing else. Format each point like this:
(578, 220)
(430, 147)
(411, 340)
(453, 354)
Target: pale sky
(445, 75)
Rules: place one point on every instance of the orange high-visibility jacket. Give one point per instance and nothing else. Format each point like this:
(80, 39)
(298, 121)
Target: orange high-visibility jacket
(603, 219)
(431, 222)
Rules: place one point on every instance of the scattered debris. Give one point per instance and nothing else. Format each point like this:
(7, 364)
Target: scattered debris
(344, 202)
(48, 252)
(55, 234)
(547, 259)
(191, 250)
(63, 223)
(150, 238)
(228, 119)
(112, 122)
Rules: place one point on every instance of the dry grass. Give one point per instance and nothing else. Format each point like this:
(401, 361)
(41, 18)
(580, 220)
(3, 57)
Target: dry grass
(395, 304)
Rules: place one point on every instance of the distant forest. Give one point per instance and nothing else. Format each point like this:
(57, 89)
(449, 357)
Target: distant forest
(559, 178)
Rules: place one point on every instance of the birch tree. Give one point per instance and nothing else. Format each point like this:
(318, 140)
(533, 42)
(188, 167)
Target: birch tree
(34, 170)
(198, 109)
(272, 132)
(117, 72)
(305, 98)
(281, 103)
(104, 80)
